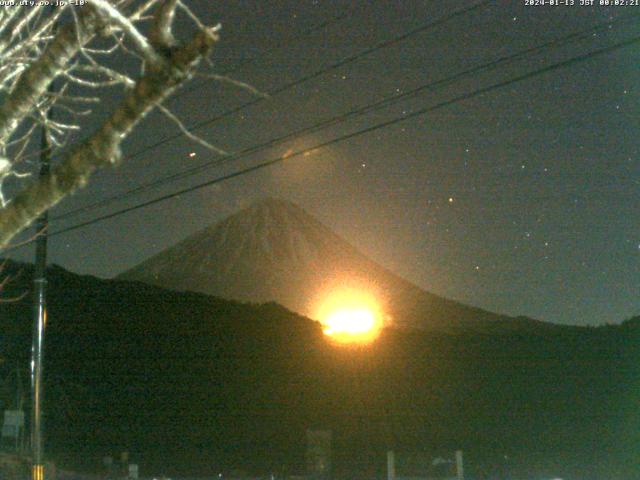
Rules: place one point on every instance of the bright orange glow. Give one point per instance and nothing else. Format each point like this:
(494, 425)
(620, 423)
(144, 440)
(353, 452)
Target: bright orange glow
(350, 317)
(353, 322)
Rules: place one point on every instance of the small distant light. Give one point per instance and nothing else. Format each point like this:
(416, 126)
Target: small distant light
(450, 199)
(192, 154)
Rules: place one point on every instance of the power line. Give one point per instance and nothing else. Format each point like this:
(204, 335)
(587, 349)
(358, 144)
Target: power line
(318, 73)
(346, 14)
(385, 102)
(378, 126)
(295, 38)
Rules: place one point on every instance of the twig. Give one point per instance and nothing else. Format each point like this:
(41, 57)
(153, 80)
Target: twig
(236, 83)
(189, 134)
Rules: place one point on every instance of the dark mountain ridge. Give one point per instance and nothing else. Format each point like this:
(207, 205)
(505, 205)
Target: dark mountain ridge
(192, 384)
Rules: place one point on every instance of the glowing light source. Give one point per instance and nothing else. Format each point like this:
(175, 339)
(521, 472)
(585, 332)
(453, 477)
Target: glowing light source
(350, 316)
(352, 322)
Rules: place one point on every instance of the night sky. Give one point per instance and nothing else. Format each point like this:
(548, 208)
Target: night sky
(522, 200)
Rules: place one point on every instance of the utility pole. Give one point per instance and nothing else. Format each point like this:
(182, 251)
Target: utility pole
(391, 465)
(459, 465)
(19, 399)
(40, 320)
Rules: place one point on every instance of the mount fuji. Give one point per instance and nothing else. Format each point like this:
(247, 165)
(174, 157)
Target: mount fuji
(275, 251)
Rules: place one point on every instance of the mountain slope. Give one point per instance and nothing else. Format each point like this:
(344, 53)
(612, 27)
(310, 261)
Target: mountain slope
(193, 385)
(275, 251)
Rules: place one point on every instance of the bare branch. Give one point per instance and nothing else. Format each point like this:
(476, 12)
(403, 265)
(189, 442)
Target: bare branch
(34, 36)
(8, 279)
(189, 134)
(114, 16)
(6, 171)
(34, 82)
(23, 137)
(235, 83)
(161, 34)
(7, 21)
(14, 246)
(78, 99)
(24, 143)
(103, 147)
(192, 16)
(90, 83)
(16, 29)
(109, 72)
(144, 8)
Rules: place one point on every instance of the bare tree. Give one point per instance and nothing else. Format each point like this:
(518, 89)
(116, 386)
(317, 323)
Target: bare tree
(75, 46)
